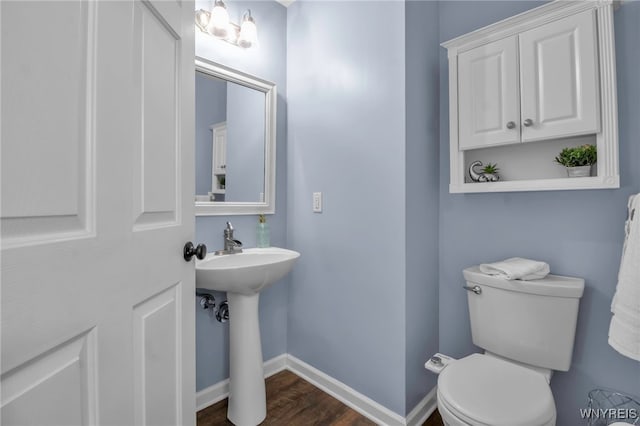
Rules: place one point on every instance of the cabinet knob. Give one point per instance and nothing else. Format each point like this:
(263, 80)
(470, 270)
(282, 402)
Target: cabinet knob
(511, 125)
(528, 122)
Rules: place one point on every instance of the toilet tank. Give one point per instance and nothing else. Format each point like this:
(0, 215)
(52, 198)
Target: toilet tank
(533, 322)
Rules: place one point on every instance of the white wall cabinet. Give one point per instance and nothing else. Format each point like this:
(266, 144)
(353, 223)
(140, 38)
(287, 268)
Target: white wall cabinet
(219, 148)
(545, 77)
(219, 160)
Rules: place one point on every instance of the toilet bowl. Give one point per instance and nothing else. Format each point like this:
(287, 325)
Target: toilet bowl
(485, 390)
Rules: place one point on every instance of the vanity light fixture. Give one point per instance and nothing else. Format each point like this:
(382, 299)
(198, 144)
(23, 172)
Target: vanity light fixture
(217, 24)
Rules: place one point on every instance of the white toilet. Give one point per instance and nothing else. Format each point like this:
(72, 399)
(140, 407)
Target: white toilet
(527, 330)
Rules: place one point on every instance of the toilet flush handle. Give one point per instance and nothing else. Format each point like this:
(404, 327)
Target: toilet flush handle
(476, 289)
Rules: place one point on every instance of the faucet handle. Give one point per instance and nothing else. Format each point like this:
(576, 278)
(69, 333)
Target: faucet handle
(228, 232)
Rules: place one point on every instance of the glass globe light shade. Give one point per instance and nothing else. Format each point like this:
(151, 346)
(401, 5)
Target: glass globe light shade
(219, 22)
(248, 33)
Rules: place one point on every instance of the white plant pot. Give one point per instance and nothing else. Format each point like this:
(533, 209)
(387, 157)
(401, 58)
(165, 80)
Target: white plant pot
(580, 171)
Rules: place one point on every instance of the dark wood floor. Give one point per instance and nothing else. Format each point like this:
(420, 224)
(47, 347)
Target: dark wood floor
(294, 401)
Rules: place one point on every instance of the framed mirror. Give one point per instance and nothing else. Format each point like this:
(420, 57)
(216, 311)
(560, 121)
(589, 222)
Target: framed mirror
(235, 142)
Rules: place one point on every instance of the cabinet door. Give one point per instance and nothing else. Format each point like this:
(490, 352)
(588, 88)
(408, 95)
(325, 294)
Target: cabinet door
(559, 78)
(220, 149)
(488, 96)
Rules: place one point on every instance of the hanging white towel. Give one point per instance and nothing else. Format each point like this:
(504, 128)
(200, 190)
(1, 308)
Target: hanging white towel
(624, 331)
(517, 268)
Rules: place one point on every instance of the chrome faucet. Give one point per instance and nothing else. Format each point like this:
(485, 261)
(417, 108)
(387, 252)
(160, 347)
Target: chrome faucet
(231, 245)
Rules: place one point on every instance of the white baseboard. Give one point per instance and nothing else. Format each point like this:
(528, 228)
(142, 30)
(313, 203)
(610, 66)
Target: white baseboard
(343, 393)
(423, 410)
(220, 390)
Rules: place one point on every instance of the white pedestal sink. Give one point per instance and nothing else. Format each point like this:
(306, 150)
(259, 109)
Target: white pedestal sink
(243, 276)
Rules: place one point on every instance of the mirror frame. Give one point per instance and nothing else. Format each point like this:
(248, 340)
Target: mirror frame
(268, 206)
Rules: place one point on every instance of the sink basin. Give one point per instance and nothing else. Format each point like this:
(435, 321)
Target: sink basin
(244, 273)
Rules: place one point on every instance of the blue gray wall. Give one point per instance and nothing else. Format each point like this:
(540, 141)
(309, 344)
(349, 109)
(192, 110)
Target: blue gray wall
(577, 232)
(346, 121)
(422, 165)
(268, 61)
(211, 108)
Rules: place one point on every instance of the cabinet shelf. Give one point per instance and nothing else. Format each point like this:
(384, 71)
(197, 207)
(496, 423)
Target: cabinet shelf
(593, 182)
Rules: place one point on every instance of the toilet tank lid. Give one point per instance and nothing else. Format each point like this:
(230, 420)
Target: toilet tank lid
(551, 285)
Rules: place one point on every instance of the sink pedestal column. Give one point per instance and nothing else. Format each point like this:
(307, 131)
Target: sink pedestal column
(247, 397)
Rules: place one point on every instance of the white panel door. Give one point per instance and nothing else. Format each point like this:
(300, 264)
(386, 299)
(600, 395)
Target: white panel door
(97, 204)
(559, 75)
(488, 96)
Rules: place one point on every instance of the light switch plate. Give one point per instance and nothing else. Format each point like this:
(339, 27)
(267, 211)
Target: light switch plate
(317, 202)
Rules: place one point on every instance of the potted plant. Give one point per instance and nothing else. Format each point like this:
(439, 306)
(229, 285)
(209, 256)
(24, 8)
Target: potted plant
(578, 160)
(491, 172)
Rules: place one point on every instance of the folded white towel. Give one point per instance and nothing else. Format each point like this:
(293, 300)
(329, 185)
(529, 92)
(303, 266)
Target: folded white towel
(517, 268)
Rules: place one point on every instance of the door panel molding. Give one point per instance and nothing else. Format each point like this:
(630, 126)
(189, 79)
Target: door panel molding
(72, 363)
(157, 333)
(158, 154)
(53, 198)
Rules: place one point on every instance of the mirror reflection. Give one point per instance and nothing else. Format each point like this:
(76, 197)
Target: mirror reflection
(230, 141)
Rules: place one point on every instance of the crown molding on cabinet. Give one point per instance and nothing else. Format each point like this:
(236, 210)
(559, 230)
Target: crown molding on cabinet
(522, 22)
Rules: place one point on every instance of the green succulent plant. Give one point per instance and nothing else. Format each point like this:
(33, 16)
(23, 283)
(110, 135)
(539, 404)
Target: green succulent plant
(490, 169)
(583, 155)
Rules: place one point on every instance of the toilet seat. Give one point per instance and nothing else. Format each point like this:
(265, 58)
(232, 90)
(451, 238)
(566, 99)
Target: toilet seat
(483, 390)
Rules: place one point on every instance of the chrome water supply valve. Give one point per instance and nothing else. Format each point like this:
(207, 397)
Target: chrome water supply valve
(222, 314)
(207, 301)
